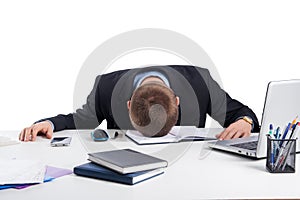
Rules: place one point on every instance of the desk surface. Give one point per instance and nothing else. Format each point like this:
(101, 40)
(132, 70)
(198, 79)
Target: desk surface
(195, 172)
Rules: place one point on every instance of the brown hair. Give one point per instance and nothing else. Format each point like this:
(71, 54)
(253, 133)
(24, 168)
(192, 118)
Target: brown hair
(153, 110)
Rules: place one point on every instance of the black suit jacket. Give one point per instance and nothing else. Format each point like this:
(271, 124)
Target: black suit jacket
(199, 95)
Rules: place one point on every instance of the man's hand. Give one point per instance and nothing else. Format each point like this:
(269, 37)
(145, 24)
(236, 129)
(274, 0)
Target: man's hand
(238, 129)
(30, 133)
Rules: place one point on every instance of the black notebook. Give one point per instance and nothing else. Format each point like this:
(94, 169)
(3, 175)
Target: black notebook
(127, 161)
(96, 171)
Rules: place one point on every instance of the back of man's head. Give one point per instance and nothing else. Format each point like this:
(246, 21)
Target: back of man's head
(153, 109)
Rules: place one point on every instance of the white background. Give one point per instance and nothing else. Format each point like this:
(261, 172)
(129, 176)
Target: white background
(44, 44)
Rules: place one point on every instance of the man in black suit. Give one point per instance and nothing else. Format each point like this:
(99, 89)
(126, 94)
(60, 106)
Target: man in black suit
(114, 96)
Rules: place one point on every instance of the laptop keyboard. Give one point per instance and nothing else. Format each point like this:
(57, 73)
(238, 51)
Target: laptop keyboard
(248, 145)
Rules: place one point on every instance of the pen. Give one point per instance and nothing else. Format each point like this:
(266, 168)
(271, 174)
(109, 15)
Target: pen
(276, 132)
(282, 149)
(270, 129)
(286, 156)
(272, 146)
(285, 146)
(272, 153)
(294, 131)
(295, 120)
(285, 133)
(280, 157)
(290, 133)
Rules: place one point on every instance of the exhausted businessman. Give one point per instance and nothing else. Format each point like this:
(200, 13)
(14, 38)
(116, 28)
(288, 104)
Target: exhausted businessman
(153, 100)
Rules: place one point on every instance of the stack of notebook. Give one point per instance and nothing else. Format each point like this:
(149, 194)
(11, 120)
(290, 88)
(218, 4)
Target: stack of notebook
(123, 166)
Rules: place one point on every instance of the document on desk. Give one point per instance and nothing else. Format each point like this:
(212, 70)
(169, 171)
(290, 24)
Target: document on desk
(21, 171)
(177, 134)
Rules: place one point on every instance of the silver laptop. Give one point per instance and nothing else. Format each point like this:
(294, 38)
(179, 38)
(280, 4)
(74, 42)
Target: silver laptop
(282, 105)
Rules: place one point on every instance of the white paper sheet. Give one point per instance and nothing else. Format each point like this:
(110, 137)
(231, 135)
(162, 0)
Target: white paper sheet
(21, 171)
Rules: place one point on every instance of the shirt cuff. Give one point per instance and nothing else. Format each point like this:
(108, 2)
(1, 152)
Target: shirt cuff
(52, 125)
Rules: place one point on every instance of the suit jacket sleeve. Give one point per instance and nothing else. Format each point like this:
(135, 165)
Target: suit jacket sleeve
(224, 109)
(83, 118)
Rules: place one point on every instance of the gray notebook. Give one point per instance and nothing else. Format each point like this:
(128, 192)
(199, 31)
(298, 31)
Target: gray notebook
(126, 160)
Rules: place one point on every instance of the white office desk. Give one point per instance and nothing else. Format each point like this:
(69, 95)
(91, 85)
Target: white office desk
(218, 175)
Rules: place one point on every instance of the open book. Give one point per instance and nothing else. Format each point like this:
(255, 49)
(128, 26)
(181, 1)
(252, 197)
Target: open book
(177, 134)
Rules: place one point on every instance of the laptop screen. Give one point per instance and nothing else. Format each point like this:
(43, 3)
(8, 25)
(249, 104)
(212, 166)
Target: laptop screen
(282, 105)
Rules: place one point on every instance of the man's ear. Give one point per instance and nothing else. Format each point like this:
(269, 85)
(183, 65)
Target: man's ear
(128, 105)
(177, 101)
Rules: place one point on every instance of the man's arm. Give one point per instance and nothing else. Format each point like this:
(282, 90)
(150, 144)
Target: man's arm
(229, 112)
(235, 123)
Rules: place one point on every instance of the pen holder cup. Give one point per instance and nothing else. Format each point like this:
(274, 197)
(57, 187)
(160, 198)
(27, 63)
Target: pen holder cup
(281, 155)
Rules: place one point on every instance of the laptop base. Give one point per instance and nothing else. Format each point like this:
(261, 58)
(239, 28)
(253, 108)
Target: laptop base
(232, 146)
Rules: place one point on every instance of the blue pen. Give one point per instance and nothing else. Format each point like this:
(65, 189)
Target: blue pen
(276, 142)
(276, 134)
(272, 154)
(293, 129)
(285, 132)
(270, 129)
